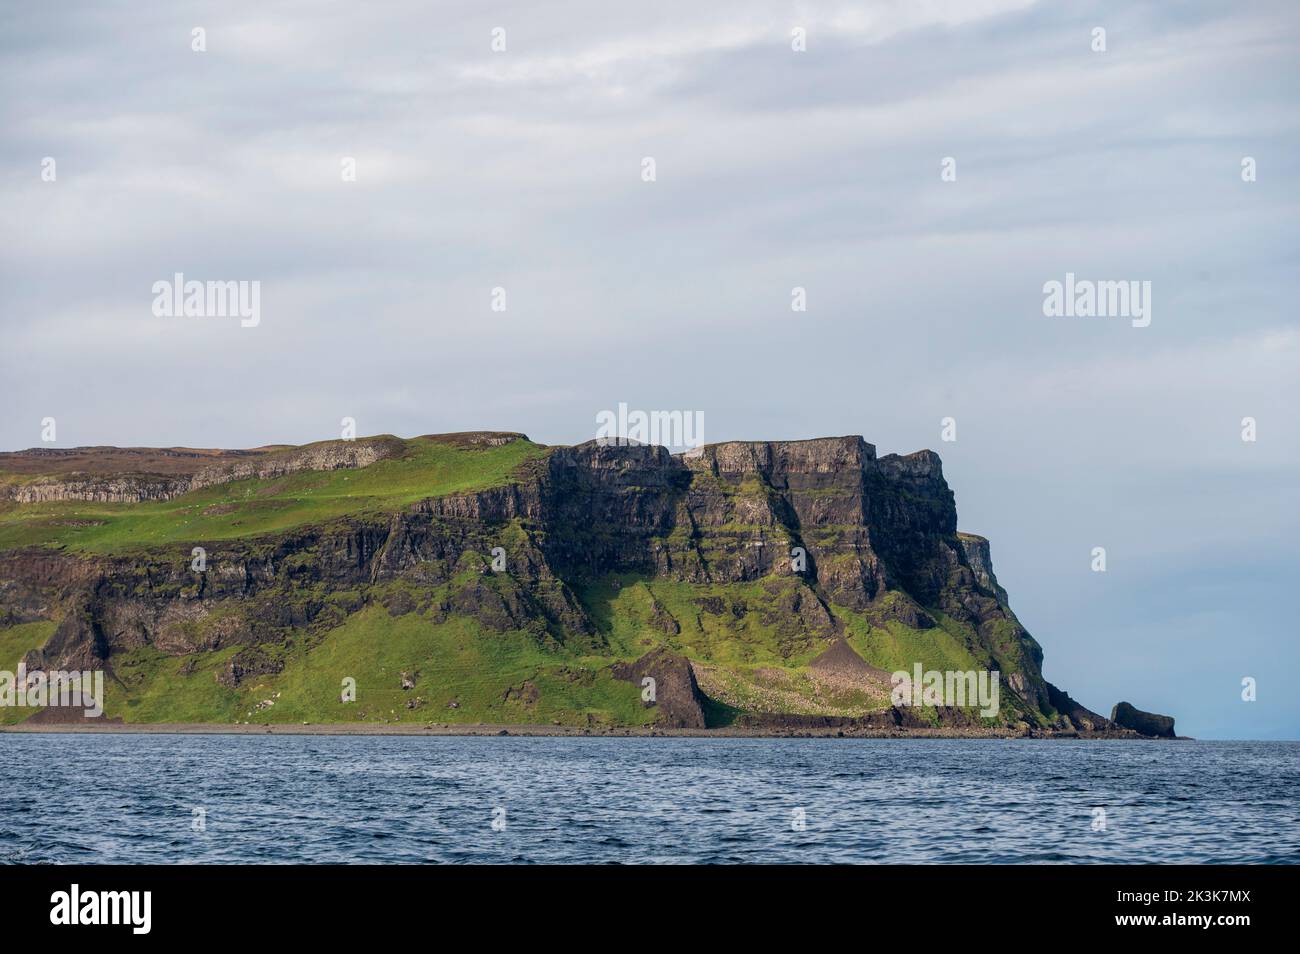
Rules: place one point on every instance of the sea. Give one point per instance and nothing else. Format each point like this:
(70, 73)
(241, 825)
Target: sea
(218, 799)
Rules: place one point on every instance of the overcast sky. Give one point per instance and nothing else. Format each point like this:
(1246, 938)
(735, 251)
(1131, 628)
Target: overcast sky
(774, 168)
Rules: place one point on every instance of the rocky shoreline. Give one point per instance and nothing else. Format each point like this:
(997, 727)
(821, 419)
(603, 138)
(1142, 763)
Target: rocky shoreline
(447, 729)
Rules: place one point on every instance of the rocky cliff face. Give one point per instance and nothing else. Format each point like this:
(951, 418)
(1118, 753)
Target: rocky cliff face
(838, 540)
(145, 486)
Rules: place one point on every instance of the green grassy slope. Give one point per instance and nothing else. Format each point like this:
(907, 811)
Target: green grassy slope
(514, 677)
(249, 507)
(749, 663)
(15, 641)
(453, 662)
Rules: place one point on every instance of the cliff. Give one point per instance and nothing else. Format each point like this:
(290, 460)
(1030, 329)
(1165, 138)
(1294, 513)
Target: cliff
(96, 473)
(481, 577)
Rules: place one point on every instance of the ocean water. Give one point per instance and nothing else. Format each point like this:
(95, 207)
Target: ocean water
(140, 798)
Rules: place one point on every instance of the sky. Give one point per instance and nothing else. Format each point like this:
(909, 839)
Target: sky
(775, 168)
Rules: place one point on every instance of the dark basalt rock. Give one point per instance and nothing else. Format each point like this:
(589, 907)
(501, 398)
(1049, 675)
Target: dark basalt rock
(1144, 723)
(677, 695)
(1076, 716)
(254, 661)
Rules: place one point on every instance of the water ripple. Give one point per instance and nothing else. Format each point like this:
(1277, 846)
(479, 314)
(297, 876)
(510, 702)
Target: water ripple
(101, 798)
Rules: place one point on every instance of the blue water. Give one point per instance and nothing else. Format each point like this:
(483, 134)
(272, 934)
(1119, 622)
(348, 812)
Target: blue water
(124, 798)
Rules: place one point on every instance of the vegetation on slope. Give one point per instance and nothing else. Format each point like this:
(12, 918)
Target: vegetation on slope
(427, 468)
(414, 660)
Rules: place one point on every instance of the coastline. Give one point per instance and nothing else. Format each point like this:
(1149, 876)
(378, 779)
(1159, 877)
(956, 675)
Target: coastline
(449, 729)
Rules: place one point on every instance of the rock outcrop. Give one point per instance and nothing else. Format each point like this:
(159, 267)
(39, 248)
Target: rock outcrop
(976, 551)
(145, 486)
(1126, 716)
(671, 688)
(1076, 714)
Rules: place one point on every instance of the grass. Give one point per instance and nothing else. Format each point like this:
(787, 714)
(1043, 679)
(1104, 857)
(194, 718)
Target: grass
(15, 642)
(466, 674)
(150, 686)
(750, 664)
(623, 607)
(249, 507)
(894, 646)
(454, 661)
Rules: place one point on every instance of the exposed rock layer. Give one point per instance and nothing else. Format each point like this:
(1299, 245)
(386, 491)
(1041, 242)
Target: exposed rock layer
(875, 535)
(89, 485)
